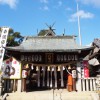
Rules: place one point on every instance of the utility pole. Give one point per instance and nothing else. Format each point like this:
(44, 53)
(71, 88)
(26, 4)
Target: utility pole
(79, 33)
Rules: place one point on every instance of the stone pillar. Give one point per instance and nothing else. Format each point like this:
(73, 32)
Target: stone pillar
(61, 72)
(19, 86)
(78, 83)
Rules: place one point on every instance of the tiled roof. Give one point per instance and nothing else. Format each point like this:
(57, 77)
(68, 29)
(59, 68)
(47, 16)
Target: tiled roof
(97, 42)
(48, 44)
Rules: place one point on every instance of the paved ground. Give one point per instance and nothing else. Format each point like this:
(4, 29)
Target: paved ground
(53, 95)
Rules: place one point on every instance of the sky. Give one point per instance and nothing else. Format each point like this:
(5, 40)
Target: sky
(30, 16)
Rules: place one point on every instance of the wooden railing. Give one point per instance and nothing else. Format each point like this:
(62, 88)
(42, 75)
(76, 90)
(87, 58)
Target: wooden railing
(9, 85)
(89, 84)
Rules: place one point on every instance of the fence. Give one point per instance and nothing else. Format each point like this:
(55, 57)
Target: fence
(89, 84)
(10, 85)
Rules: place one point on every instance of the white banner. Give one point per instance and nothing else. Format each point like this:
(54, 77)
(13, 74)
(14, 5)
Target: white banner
(11, 69)
(3, 39)
(94, 62)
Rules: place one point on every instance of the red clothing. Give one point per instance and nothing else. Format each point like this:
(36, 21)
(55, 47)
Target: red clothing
(69, 80)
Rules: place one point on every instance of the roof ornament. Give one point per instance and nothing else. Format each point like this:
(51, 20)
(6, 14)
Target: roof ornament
(25, 38)
(50, 26)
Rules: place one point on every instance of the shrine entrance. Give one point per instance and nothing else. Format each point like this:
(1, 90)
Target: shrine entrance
(46, 70)
(46, 77)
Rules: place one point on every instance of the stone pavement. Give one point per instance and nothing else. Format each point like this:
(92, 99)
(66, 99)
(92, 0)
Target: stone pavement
(61, 94)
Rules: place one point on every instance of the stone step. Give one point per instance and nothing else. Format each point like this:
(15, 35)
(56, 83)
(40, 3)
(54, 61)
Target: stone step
(53, 95)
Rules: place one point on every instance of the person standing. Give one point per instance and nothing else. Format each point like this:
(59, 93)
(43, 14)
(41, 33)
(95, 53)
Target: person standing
(69, 82)
(74, 78)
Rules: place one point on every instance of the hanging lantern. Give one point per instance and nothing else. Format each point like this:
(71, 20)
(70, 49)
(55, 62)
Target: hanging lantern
(52, 68)
(37, 68)
(42, 68)
(69, 67)
(26, 66)
(63, 67)
(32, 67)
(48, 68)
(58, 68)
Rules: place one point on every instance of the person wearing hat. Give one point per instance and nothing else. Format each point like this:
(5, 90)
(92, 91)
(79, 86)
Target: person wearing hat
(69, 82)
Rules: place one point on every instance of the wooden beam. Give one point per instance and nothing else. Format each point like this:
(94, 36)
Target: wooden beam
(93, 55)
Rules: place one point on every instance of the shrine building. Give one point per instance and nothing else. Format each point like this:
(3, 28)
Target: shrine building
(45, 61)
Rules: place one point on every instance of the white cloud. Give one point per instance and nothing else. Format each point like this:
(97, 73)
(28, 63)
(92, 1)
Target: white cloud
(68, 9)
(81, 14)
(95, 3)
(11, 3)
(44, 8)
(44, 1)
(59, 3)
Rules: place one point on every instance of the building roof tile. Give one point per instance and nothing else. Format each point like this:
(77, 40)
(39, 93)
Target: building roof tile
(48, 44)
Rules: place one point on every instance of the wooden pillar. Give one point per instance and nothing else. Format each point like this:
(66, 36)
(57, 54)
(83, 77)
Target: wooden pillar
(61, 72)
(74, 84)
(5, 85)
(78, 83)
(38, 73)
(51, 77)
(12, 85)
(8, 85)
(23, 84)
(55, 75)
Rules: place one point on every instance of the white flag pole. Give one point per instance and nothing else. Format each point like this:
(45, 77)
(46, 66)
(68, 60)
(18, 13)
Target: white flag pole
(80, 39)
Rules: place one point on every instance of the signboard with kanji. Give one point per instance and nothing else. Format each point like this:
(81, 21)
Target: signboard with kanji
(3, 38)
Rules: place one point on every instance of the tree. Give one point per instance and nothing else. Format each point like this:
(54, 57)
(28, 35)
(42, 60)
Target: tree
(14, 38)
